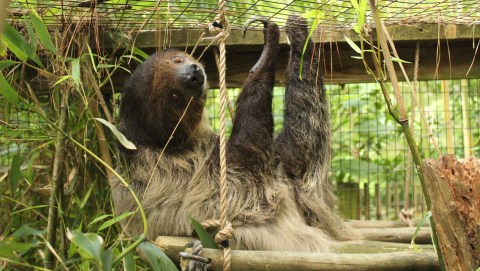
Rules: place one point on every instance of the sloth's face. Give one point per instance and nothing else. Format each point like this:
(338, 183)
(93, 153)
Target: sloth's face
(185, 80)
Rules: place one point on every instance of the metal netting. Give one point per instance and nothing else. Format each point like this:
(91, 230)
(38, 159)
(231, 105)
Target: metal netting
(141, 15)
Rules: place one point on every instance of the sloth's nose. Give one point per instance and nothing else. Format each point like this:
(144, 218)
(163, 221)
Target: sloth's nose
(192, 76)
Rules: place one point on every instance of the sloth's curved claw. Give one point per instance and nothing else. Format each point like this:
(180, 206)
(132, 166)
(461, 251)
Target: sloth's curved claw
(253, 19)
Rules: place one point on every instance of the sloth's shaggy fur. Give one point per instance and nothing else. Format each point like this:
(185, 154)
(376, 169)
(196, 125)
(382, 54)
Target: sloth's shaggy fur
(279, 196)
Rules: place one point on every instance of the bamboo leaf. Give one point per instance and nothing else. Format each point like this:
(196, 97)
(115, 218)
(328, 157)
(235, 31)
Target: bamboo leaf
(140, 52)
(6, 63)
(396, 59)
(15, 173)
(90, 53)
(97, 219)
(42, 32)
(355, 4)
(114, 220)
(155, 257)
(121, 138)
(63, 78)
(19, 46)
(315, 23)
(76, 71)
(7, 91)
(129, 262)
(353, 45)
(203, 235)
(90, 244)
(16, 42)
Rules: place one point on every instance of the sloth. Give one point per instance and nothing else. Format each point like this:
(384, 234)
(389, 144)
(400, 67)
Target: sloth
(278, 193)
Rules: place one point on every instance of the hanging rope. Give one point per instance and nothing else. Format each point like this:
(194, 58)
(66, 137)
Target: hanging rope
(226, 231)
(406, 215)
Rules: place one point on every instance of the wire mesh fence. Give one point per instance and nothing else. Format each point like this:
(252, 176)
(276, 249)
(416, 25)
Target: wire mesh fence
(141, 15)
(370, 160)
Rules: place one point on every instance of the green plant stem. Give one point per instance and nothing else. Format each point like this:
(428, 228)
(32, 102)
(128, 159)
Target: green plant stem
(403, 121)
(65, 135)
(124, 252)
(56, 193)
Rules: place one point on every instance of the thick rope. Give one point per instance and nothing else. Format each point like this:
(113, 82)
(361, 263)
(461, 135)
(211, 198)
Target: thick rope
(223, 235)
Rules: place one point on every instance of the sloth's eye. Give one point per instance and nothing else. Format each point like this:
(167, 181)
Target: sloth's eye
(177, 59)
(175, 96)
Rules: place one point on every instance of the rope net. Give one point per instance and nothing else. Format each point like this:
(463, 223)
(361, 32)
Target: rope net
(143, 15)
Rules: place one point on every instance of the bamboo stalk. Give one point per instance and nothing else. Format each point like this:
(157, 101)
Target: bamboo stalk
(403, 119)
(366, 193)
(57, 181)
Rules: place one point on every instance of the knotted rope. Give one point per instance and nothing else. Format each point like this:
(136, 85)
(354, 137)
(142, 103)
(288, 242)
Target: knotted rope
(226, 231)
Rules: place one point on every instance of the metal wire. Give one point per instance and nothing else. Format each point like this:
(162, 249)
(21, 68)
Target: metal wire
(128, 15)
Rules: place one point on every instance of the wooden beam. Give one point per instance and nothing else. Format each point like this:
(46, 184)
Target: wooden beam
(445, 53)
(183, 38)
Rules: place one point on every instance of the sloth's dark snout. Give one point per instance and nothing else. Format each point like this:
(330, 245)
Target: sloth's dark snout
(192, 76)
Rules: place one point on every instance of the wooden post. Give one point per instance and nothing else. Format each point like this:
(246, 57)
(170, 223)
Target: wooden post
(377, 200)
(359, 202)
(367, 200)
(347, 199)
(387, 204)
(395, 199)
(454, 189)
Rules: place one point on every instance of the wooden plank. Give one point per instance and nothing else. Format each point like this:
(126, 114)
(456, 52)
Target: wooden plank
(396, 235)
(445, 61)
(182, 38)
(379, 224)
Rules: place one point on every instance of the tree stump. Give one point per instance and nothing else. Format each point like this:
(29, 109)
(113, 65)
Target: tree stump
(454, 189)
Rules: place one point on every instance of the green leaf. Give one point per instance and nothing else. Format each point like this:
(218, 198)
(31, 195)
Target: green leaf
(420, 224)
(353, 45)
(76, 71)
(19, 45)
(10, 248)
(155, 257)
(16, 42)
(141, 53)
(129, 262)
(114, 220)
(6, 63)
(314, 13)
(106, 260)
(63, 78)
(90, 53)
(26, 230)
(354, 4)
(100, 218)
(203, 235)
(123, 140)
(31, 33)
(90, 244)
(396, 59)
(15, 173)
(357, 57)
(312, 29)
(42, 32)
(7, 91)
